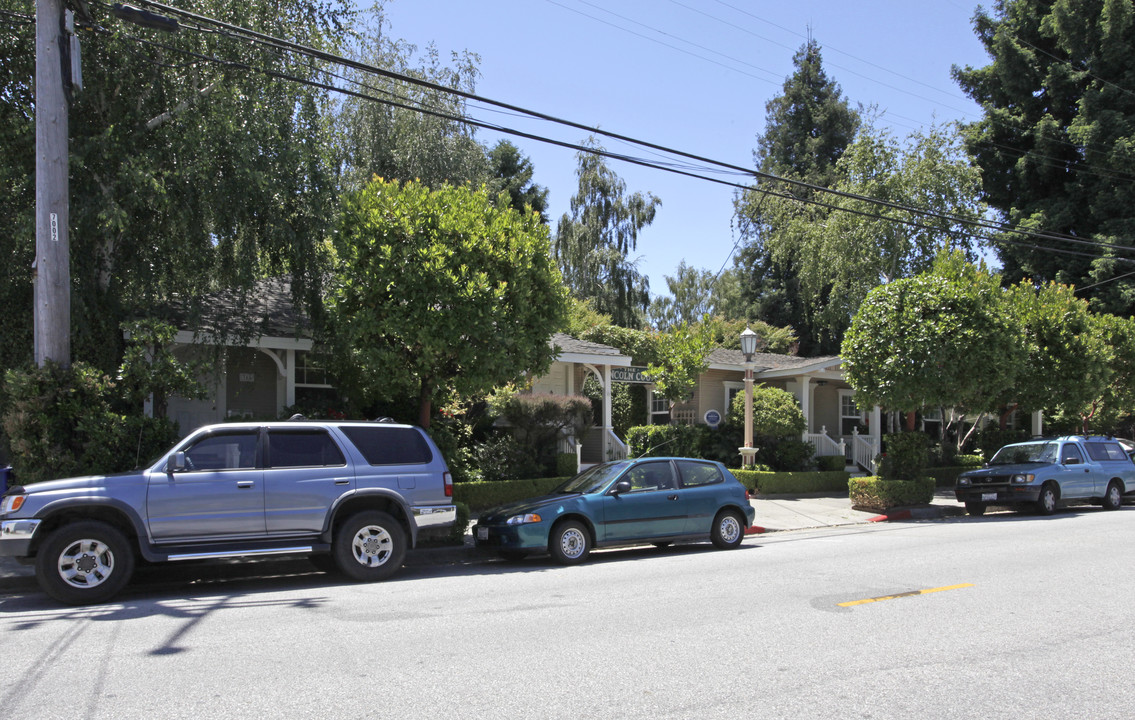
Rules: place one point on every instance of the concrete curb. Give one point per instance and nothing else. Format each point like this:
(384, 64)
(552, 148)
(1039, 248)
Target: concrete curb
(928, 512)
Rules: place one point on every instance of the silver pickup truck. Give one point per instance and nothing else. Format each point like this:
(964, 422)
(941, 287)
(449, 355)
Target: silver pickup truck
(1046, 473)
(352, 494)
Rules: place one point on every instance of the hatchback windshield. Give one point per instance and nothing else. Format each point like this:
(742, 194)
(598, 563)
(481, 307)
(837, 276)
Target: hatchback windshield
(593, 479)
(1038, 452)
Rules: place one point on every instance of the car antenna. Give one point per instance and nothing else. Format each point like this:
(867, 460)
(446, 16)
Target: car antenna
(647, 453)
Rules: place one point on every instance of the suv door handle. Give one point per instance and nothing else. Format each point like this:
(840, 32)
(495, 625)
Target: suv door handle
(244, 484)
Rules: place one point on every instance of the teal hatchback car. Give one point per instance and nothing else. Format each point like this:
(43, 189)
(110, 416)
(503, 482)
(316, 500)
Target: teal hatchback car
(627, 502)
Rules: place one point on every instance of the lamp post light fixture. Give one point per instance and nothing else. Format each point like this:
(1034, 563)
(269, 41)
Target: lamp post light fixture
(749, 342)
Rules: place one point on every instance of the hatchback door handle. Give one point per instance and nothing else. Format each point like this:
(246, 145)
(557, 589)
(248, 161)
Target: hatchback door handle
(671, 497)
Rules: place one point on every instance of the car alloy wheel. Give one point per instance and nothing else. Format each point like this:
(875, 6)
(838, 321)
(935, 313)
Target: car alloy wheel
(369, 546)
(84, 562)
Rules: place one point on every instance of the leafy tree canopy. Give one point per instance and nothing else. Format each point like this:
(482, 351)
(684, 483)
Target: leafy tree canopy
(436, 292)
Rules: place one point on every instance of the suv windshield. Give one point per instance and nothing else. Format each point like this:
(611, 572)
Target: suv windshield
(1038, 452)
(592, 479)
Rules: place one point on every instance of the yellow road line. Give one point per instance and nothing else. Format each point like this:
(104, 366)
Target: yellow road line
(905, 594)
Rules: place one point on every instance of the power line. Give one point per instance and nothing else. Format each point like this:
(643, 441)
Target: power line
(368, 68)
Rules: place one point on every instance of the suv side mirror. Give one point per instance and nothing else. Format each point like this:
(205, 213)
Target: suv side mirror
(177, 462)
(623, 486)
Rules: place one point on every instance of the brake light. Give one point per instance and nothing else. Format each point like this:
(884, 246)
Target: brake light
(448, 480)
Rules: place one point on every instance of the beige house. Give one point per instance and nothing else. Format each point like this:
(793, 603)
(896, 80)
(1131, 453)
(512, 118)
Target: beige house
(833, 421)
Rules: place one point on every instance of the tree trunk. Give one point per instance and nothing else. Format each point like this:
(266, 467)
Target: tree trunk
(425, 404)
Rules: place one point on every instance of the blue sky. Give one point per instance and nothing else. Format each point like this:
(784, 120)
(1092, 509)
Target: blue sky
(693, 75)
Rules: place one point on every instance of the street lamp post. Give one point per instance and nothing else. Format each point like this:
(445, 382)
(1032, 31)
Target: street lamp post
(749, 340)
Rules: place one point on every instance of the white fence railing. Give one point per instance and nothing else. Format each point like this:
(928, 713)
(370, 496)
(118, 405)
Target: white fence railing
(617, 449)
(864, 450)
(824, 443)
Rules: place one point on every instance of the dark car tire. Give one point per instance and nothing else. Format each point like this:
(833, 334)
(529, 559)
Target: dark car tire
(728, 530)
(569, 543)
(84, 562)
(1113, 498)
(1046, 502)
(369, 546)
(976, 508)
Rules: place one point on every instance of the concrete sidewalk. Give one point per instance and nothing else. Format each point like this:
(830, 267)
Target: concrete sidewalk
(815, 510)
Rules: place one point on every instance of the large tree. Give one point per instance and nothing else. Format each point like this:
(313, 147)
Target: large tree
(189, 168)
(594, 242)
(1056, 145)
(439, 292)
(807, 129)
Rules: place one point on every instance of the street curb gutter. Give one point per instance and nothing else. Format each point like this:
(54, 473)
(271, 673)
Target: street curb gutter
(932, 512)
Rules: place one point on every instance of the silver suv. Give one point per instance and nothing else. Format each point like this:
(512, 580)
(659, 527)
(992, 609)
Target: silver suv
(352, 494)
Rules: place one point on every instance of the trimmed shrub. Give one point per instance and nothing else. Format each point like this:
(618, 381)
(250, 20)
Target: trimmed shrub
(792, 483)
(483, 495)
(905, 456)
(831, 463)
(947, 476)
(503, 457)
(785, 454)
(968, 461)
(876, 493)
(567, 464)
(775, 412)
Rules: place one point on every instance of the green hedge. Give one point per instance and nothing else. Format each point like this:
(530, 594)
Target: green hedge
(875, 493)
(782, 483)
(483, 495)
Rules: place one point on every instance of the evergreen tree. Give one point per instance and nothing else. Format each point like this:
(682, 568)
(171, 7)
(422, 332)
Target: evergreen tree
(808, 127)
(1056, 147)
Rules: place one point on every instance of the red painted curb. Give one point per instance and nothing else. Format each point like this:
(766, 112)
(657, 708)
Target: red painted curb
(754, 530)
(900, 515)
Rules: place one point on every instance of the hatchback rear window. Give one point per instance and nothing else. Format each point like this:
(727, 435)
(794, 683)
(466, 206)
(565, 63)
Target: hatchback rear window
(695, 474)
(389, 445)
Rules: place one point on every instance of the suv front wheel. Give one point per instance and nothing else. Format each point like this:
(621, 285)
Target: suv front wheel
(369, 546)
(84, 562)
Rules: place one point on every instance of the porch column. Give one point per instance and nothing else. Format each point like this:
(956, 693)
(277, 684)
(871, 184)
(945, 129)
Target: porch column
(806, 403)
(606, 412)
(877, 426)
(290, 379)
(1038, 423)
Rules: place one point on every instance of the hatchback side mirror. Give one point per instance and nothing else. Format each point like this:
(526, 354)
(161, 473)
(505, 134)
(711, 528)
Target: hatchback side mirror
(623, 486)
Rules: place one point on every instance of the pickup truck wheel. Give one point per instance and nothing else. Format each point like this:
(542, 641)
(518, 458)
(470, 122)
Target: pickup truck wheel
(1113, 498)
(728, 530)
(570, 543)
(975, 508)
(84, 562)
(1046, 502)
(369, 546)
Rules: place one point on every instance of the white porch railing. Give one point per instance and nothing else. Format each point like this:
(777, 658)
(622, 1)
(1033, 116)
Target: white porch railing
(864, 450)
(617, 450)
(824, 443)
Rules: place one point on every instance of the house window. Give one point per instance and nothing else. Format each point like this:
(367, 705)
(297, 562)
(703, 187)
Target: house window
(932, 421)
(850, 416)
(659, 409)
(732, 390)
(310, 372)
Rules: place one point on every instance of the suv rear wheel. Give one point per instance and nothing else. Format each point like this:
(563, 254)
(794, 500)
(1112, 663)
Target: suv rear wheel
(369, 546)
(84, 562)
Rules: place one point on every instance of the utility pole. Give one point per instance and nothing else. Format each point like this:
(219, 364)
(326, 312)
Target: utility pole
(52, 295)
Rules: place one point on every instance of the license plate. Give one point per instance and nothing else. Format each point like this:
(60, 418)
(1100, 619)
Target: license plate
(988, 497)
(482, 533)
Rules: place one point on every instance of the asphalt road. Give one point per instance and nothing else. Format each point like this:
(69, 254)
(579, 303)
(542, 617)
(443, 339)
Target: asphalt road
(1027, 617)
